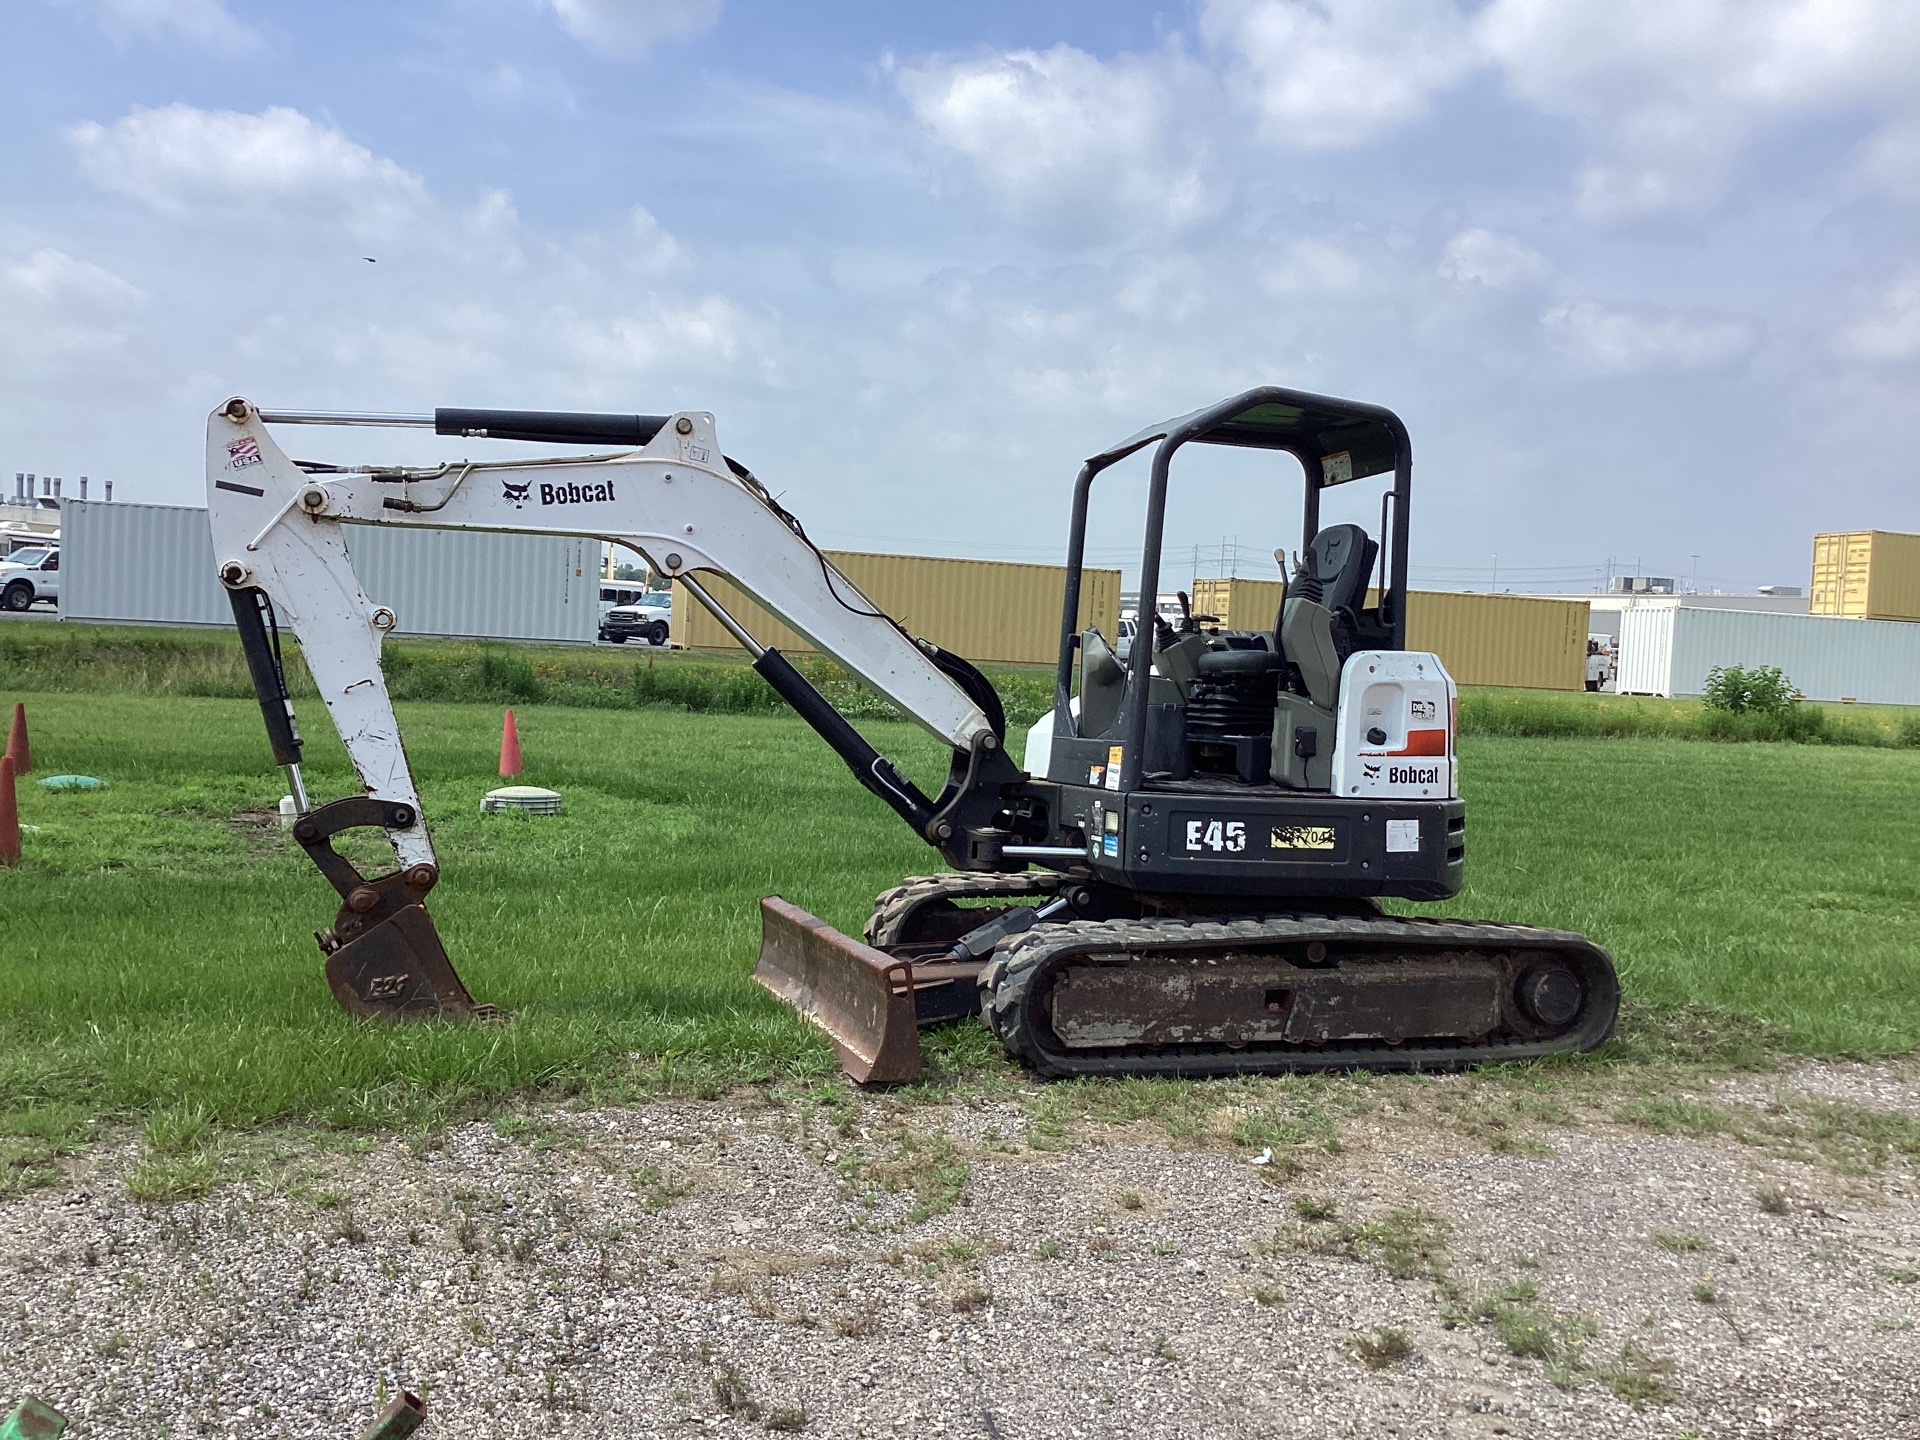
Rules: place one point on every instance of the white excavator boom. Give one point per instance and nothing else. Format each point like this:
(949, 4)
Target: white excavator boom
(277, 542)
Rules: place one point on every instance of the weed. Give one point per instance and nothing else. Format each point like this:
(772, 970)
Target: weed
(858, 1322)
(1676, 1242)
(162, 1178)
(1313, 1207)
(1704, 1291)
(1264, 1296)
(1897, 1323)
(1637, 1376)
(785, 1417)
(1165, 1247)
(1772, 1200)
(1163, 1349)
(960, 1248)
(1049, 1249)
(1407, 1244)
(656, 1189)
(1130, 1200)
(970, 1298)
(731, 1394)
(1902, 1276)
(1385, 1345)
(347, 1228)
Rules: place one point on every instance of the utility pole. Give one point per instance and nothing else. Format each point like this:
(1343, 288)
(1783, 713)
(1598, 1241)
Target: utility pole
(1496, 574)
(1693, 581)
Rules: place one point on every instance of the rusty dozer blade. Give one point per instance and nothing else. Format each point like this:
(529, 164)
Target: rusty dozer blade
(861, 997)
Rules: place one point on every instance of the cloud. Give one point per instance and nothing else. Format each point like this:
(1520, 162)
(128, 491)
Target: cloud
(1330, 73)
(1670, 92)
(628, 29)
(70, 307)
(223, 164)
(1892, 330)
(1066, 141)
(1629, 340)
(205, 24)
(1497, 262)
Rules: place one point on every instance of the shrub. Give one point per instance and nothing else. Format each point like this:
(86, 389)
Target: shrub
(1762, 690)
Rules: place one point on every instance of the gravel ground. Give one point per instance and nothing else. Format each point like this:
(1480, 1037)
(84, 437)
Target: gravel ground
(739, 1268)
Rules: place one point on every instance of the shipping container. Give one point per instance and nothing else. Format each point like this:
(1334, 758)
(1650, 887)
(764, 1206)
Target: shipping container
(1668, 650)
(1517, 640)
(153, 564)
(984, 610)
(1866, 574)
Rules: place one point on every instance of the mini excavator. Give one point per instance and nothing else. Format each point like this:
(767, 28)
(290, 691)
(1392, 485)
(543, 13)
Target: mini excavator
(1184, 877)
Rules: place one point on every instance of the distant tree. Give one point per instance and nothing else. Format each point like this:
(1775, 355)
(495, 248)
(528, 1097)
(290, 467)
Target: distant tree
(629, 572)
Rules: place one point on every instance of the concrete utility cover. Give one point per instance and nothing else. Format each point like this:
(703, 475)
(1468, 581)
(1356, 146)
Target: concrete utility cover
(530, 798)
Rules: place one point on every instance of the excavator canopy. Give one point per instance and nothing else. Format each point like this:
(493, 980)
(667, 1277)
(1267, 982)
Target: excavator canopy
(1370, 439)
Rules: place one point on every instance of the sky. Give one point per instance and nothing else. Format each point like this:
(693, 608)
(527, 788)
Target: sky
(1640, 277)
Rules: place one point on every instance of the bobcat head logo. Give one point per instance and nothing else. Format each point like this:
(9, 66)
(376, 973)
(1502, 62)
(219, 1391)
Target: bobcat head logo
(515, 495)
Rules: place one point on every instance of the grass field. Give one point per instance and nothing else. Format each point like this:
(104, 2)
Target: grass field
(154, 950)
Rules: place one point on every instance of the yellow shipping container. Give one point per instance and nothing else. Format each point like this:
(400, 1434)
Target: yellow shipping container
(1866, 574)
(984, 610)
(1481, 639)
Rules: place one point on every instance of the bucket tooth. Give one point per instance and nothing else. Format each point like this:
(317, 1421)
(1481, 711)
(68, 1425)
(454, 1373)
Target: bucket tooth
(861, 997)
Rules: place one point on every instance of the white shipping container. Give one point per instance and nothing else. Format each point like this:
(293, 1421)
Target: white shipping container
(1669, 650)
(153, 565)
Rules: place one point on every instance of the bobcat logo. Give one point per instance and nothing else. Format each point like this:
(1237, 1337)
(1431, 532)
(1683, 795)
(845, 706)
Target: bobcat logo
(516, 495)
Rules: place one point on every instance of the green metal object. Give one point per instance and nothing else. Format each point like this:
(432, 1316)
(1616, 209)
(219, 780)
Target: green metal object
(34, 1419)
(404, 1416)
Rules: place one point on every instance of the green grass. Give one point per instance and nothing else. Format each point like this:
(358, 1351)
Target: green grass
(154, 660)
(1547, 714)
(206, 662)
(155, 956)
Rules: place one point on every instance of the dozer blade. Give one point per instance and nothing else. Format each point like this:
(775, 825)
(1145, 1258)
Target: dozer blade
(862, 998)
(397, 969)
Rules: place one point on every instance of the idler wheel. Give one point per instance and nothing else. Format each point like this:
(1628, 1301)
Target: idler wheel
(1550, 995)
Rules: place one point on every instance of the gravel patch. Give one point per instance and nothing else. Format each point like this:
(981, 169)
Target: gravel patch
(736, 1268)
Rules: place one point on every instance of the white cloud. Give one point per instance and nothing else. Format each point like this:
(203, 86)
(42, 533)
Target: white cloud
(1498, 262)
(1671, 91)
(1892, 330)
(223, 164)
(1628, 340)
(628, 29)
(71, 308)
(1066, 140)
(1340, 72)
(206, 24)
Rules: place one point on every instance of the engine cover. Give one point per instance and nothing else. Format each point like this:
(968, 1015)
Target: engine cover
(1395, 737)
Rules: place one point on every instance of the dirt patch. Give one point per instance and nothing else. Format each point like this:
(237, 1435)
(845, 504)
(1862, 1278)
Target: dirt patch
(856, 1267)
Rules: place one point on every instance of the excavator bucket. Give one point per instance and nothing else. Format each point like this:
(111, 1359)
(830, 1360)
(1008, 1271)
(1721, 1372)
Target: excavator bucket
(860, 996)
(397, 969)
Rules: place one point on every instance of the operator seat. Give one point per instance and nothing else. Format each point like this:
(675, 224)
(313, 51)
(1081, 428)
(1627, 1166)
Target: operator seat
(1313, 634)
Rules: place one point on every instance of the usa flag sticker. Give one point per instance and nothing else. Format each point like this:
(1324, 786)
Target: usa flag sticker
(243, 452)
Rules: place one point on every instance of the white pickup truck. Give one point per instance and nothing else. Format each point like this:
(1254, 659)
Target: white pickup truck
(30, 573)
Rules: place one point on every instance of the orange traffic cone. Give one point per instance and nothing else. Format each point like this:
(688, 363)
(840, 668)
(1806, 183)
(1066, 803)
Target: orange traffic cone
(509, 748)
(9, 815)
(17, 740)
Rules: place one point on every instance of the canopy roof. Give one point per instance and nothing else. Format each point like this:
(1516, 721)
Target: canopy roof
(1309, 426)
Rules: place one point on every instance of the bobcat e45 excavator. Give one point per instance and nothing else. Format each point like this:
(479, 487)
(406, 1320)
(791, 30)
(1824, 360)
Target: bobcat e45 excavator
(1183, 880)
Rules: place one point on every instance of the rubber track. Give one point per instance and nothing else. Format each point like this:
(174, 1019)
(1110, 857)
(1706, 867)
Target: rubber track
(893, 909)
(1009, 1009)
